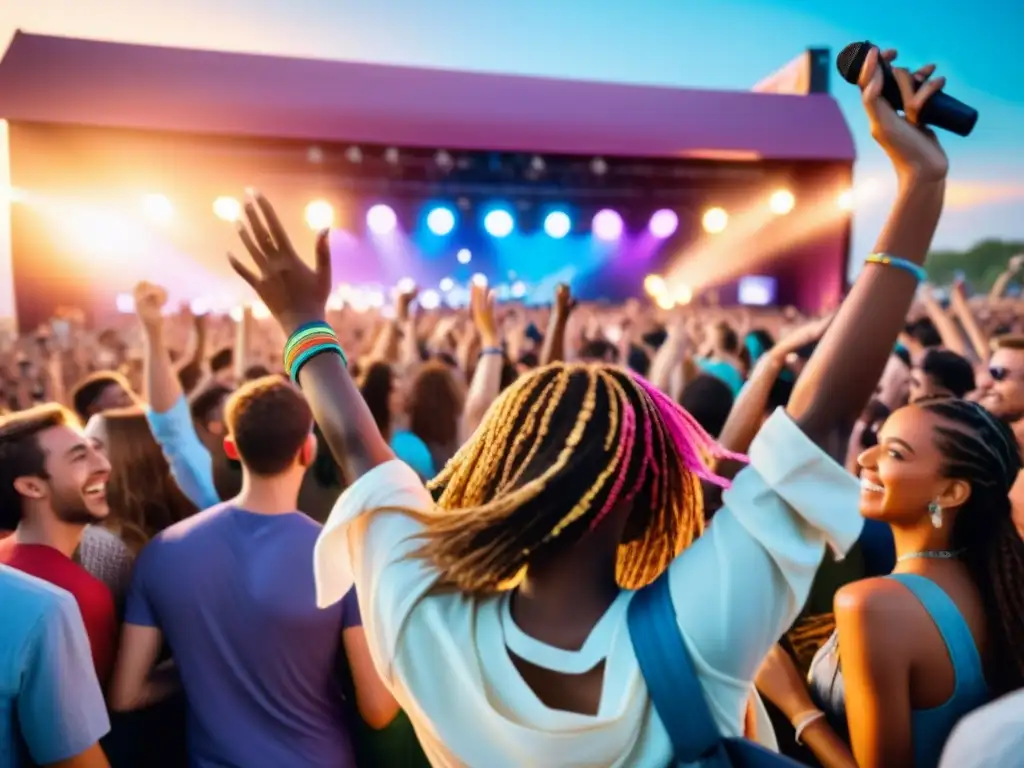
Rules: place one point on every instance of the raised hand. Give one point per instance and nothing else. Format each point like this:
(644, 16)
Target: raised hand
(807, 333)
(913, 150)
(293, 292)
(403, 302)
(564, 302)
(149, 304)
(481, 302)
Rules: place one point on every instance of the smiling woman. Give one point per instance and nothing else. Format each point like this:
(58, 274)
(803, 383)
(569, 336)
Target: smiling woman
(143, 496)
(951, 611)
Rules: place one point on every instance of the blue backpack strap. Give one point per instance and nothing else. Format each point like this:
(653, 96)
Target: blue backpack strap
(952, 626)
(668, 671)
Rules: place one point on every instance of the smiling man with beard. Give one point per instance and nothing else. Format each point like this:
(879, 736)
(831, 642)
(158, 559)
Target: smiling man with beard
(53, 484)
(1001, 392)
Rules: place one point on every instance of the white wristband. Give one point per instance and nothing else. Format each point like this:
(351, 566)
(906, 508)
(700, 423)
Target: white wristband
(805, 720)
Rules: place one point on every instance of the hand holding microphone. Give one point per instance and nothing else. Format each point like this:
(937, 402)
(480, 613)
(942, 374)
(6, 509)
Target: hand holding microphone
(913, 150)
(939, 110)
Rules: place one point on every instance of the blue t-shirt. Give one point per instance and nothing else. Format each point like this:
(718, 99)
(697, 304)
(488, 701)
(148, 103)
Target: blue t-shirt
(723, 370)
(414, 452)
(233, 593)
(51, 705)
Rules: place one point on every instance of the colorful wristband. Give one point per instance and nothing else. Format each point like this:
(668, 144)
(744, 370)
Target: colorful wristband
(886, 260)
(307, 331)
(307, 342)
(309, 354)
(492, 351)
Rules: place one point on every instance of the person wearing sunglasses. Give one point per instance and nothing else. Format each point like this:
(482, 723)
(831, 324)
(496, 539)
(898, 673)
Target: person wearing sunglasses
(1001, 392)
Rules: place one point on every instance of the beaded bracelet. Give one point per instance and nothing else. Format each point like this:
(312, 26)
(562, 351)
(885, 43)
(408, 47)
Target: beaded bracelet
(886, 260)
(307, 342)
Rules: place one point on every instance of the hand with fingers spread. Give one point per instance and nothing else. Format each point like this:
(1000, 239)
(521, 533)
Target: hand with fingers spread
(481, 301)
(913, 150)
(293, 292)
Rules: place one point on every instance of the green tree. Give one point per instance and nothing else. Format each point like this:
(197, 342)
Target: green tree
(980, 265)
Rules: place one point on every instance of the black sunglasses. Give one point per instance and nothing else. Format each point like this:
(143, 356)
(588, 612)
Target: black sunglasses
(998, 373)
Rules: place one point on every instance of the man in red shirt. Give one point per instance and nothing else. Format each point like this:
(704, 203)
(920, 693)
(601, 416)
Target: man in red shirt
(53, 484)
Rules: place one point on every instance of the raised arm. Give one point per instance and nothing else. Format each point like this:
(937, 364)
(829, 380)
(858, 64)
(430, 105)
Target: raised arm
(296, 295)
(198, 343)
(845, 367)
(792, 499)
(749, 409)
(553, 349)
(162, 388)
(962, 310)
(669, 357)
(243, 344)
(1013, 269)
(408, 344)
(946, 326)
(486, 383)
(168, 415)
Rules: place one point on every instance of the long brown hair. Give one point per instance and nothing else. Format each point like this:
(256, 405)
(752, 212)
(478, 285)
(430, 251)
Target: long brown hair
(435, 406)
(144, 499)
(375, 385)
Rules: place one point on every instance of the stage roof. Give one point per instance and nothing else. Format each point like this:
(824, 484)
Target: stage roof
(65, 80)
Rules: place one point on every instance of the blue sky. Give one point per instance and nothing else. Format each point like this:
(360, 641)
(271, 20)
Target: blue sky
(695, 43)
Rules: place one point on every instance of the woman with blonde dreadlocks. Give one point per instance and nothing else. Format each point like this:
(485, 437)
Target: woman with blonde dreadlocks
(497, 615)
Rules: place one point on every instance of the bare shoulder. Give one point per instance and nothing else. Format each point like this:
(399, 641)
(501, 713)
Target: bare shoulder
(872, 616)
(877, 604)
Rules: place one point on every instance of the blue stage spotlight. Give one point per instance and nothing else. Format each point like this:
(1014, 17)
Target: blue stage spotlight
(557, 224)
(441, 220)
(499, 223)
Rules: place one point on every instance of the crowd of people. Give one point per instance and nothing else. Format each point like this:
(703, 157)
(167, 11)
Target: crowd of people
(341, 538)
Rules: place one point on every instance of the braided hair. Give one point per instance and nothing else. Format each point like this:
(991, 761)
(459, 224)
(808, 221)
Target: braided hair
(559, 450)
(982, 450)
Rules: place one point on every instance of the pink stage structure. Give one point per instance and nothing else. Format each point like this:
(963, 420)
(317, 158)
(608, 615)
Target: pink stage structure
(67, 98)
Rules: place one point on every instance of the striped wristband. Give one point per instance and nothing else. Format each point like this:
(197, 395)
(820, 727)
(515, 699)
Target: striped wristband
(307, 342)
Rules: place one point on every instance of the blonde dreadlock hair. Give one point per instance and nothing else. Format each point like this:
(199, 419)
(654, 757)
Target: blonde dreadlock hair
(561, 448)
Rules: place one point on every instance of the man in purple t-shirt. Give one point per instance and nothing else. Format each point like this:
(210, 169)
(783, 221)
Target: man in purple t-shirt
(231, 589)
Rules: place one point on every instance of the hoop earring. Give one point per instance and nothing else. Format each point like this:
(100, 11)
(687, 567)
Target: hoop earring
(936, 514)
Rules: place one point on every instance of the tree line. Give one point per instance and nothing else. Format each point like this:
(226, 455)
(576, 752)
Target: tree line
(979, 266)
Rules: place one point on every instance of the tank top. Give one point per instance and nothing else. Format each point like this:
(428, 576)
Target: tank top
(930, 727)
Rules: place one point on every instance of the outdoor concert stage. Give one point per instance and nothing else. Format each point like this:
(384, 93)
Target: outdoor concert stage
(119, 151)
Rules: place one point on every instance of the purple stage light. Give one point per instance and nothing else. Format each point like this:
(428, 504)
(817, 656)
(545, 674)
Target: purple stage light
(607, 225)
(381, 219)
(663, 223)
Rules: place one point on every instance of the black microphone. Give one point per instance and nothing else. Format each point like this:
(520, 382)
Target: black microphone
(940, 110)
